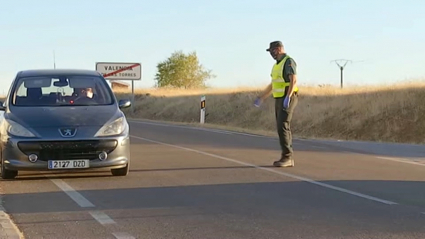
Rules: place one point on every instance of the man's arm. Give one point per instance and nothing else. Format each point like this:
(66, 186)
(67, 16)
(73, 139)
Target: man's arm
(290, 70)
(293, 79)
(266, 92)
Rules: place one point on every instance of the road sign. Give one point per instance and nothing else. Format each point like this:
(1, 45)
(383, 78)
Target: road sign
(120, 70)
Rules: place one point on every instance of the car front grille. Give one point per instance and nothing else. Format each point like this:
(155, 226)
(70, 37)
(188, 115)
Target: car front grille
(71, 150)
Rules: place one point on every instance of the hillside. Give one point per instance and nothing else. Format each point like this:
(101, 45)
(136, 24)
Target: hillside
(391, 114)
(387, 114)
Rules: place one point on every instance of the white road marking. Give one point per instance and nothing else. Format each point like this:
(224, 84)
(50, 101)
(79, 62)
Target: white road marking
(102, 218)
(122, 235)
(275, 171)
(215, 131)
(401, 160)
(221, 132)
(74, 195)
(273, 138)
(201, 129)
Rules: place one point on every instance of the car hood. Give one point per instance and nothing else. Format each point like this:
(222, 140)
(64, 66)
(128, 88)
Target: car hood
(36, 117)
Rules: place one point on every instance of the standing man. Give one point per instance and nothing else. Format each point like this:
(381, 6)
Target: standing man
(285, 92)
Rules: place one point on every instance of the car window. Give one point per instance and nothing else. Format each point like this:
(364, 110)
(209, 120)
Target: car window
(61, 91)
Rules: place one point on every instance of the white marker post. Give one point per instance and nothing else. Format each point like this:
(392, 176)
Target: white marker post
(202, 109)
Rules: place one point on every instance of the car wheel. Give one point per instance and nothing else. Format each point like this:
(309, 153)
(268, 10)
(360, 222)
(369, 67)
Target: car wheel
(121, 171)
(7, 174)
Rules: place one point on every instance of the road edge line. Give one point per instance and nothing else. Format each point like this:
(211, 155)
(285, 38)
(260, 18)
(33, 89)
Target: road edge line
(400, 160)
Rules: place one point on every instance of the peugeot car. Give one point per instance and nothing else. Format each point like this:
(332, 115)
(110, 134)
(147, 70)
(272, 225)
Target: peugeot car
(63, 121)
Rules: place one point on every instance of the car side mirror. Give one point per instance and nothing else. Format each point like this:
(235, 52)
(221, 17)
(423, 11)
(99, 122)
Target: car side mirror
(124, 104)
(2, 106)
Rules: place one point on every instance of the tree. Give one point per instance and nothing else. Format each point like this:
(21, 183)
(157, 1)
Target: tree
(182, 71)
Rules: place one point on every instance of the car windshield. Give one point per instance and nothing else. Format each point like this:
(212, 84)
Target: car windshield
(61, 91)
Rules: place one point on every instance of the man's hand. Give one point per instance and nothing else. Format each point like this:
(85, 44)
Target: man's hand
(257, 102)
(286, 102)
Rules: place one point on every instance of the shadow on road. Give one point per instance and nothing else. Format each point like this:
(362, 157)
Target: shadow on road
(232, 196)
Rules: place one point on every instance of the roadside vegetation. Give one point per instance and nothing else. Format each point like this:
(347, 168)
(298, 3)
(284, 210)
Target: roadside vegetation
(388, 114)
(381, 113)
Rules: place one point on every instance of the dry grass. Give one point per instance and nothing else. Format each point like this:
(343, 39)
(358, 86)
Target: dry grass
(382, 113)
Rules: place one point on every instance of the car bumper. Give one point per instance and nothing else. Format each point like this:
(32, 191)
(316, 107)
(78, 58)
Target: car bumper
(15, 152)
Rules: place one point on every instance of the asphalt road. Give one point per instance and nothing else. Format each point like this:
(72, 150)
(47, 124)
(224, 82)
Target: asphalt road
(192, 183)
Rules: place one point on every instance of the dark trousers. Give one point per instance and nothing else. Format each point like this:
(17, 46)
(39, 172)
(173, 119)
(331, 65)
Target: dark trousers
(283, 124)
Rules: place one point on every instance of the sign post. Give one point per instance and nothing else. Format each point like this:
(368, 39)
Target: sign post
(202, 120)
(121, 71)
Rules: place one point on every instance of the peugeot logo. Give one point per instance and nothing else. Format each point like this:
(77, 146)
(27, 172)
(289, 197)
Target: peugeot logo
(68, 132)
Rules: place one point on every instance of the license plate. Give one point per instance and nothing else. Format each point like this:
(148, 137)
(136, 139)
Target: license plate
(67, 164)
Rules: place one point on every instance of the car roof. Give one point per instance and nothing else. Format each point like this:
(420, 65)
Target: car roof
(44, 72)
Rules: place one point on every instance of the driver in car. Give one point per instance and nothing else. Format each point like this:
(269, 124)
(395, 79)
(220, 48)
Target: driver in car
(85, 95)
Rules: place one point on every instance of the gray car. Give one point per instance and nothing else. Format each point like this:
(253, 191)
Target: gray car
(62, 121)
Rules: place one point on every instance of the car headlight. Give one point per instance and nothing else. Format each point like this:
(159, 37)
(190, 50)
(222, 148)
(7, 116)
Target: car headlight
(116, 127)
(16, 129)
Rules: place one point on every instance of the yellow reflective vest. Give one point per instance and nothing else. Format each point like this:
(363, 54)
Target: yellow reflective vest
(279, 85)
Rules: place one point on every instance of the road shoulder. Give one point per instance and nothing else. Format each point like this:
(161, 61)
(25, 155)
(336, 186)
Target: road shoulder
(8, 228)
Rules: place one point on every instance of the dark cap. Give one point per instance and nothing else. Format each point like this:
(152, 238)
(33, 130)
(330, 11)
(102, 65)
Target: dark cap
(274, 44)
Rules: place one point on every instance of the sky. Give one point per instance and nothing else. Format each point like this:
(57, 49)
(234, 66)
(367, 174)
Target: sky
(385, 40)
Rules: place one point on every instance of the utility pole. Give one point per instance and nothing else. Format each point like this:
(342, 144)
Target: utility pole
(341, 67)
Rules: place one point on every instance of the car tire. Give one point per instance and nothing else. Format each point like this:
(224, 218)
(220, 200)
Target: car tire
(121, 171)
(7, 174)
